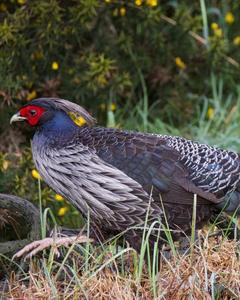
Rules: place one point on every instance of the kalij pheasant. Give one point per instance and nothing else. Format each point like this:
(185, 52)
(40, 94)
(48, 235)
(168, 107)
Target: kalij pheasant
(117, 175)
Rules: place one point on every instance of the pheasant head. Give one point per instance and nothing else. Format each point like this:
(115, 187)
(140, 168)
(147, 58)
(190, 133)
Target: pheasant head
(42, 110)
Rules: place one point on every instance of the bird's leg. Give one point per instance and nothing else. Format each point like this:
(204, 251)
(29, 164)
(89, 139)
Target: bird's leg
(54, 242)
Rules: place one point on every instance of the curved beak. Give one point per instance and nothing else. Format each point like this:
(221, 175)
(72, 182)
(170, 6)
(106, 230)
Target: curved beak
(16, 118)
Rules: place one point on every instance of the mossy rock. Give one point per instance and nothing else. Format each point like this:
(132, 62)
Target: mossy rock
(19, 225)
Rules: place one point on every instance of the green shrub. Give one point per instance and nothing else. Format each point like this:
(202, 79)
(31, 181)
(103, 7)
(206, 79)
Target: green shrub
(97, 52)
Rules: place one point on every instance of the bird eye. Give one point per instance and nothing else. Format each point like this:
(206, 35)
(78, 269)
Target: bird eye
(32, 112)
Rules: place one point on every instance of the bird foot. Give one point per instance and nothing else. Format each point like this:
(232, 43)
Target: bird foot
(37, 246)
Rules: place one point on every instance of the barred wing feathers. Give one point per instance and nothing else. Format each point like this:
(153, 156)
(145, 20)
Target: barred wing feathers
(171, 163)
(77, 173)
(215, 171)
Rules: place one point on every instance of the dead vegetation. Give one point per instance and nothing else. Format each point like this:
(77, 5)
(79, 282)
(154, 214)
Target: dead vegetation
(210, 271)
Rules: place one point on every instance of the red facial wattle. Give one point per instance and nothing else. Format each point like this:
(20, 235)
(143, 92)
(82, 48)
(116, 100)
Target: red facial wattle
(32, 113)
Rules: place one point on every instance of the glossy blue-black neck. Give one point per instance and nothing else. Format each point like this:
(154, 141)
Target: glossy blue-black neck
(57, 125)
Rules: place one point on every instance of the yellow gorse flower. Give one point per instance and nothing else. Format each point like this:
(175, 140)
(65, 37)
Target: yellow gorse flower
(62, 211)
(122, 11)
(58, 197)
(229, 18)
(210, 113)
(236, 40)
(35, 174)
(217, 31)
(113, 106)
(138, 2)
(179, 63)
(55, 65)
(214, 26)
(21, 2)
(152, 3)
(32, 95)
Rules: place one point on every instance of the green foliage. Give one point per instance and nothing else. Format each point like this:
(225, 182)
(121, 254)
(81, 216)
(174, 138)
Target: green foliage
(98, 46)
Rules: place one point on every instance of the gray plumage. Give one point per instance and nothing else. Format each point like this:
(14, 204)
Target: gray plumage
(115, 174)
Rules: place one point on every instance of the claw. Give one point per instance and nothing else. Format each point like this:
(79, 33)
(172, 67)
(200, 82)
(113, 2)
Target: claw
(37, 246)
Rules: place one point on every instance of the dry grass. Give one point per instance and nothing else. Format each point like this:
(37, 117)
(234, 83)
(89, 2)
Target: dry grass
(214, 268)
(211, 271)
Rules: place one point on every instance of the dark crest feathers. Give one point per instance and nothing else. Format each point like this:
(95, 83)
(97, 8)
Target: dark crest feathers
(65, 105)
